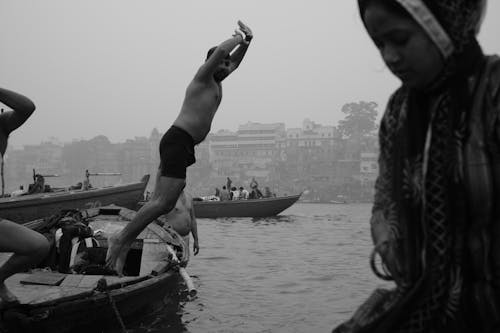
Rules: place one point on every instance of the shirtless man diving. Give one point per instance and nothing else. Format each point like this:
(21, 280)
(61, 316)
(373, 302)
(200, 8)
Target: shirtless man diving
(202, 99)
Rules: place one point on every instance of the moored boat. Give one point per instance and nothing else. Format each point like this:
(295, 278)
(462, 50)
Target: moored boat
(244, 208)
(34, 206)
(90, 300)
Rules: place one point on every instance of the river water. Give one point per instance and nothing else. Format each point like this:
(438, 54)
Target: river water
(306, 270)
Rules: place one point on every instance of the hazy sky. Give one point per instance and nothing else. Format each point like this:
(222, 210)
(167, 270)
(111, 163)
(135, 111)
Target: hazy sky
(120, 67)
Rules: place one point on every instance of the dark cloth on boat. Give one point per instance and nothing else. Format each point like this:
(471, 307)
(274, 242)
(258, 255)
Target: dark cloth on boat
(73, 225)
(65, 243)
(176, 153)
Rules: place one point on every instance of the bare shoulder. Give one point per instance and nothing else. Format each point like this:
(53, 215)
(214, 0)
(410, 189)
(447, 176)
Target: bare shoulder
(205, 73)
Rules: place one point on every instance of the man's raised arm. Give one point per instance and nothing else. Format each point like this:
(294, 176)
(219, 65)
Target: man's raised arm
(220, 52)
(240, 52)
(22, 108)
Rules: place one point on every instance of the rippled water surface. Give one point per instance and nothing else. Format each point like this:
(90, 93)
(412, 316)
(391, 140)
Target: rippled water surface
(303, 271)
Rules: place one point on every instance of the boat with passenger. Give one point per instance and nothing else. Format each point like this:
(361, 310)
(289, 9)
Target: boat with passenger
(76, 292)
(263, 207)
(41, 200)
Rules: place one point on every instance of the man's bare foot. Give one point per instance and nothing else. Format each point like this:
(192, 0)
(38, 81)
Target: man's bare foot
(114, 248)
(117, 254)
(7, 299)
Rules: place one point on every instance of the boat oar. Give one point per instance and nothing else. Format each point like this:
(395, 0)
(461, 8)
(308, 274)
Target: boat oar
(182, 271)
(189, 282)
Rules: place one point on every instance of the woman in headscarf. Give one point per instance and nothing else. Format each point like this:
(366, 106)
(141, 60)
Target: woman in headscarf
(28, 246)
(436, 216)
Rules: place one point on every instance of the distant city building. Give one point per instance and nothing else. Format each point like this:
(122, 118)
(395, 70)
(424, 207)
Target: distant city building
(311, 150)
(249, 152)
(313, 157)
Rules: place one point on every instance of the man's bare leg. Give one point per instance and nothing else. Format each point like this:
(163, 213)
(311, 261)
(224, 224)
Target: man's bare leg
(165, 195)
(29, 248)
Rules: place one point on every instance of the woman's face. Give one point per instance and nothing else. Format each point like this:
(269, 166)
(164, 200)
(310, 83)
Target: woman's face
(405, 47)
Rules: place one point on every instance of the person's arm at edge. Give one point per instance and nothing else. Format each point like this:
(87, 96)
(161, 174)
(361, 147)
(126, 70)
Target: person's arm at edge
(22, 108)
(194, 231)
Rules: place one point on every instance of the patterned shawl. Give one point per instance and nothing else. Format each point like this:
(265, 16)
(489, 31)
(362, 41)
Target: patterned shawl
(419, 192)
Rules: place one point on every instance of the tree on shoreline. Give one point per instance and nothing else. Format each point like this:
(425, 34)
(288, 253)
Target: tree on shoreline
(360, 120)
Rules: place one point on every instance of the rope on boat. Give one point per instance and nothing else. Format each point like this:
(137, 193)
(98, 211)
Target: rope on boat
(102, 286)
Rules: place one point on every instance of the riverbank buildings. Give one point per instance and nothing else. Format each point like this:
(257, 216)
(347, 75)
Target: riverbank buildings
(313, 158)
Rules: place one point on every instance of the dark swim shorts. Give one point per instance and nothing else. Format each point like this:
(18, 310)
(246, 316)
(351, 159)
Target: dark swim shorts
(176, 153)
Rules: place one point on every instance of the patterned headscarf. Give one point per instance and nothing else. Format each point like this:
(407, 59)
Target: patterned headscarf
(451, 24)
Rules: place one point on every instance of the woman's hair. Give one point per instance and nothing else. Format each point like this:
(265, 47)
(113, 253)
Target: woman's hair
(391, 5)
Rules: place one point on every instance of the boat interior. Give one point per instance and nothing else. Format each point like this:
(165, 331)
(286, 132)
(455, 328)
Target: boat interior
(149, 256)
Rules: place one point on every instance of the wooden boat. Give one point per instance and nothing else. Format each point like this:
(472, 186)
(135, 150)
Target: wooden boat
(244, 208)
(34, 206)
(57, 302)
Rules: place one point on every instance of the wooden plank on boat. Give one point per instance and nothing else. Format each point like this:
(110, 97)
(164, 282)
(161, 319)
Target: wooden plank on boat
(112, 280)
(55, 294)
(44, 278)
(89, 281)
(34, 294)
(72, 280)
(153, 253)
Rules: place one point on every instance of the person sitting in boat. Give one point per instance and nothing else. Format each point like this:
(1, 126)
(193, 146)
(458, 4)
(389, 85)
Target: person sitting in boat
(38, 186)
(19, 192)
(243, 193)
(28, 246)
(254, 184)
(183, 220)
(86, 184)
(78, 186)
(235, 193)
(201, 101)
(267, 192)
(224, 194)
(255, 193)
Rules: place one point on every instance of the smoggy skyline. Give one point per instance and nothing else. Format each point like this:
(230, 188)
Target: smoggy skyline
(120, 67)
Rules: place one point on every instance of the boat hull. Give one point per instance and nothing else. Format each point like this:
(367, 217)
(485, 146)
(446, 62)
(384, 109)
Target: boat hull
(31, 207)
(244, 208)
(96, 312)
(78, 304)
